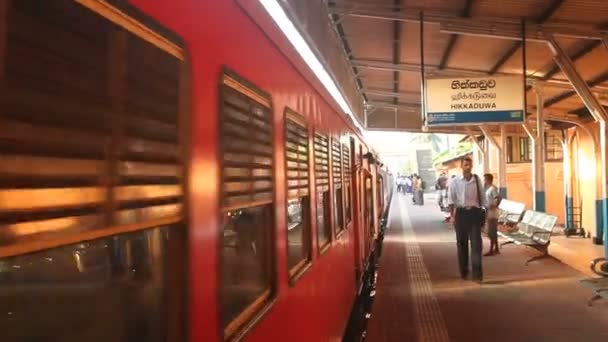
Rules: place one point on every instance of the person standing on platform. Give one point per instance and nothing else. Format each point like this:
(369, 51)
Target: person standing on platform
(466, 204)
(492, 200)
(420, 191)
(414, 188)
(440, 188)
(408, 184)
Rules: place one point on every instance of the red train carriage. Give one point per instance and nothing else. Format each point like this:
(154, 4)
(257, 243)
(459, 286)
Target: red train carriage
(170, 171)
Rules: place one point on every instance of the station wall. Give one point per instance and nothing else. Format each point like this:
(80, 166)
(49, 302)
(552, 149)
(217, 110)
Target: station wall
(519, 181)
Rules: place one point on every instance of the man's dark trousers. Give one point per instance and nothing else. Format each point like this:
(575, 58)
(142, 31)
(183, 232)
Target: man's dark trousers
(468, 227)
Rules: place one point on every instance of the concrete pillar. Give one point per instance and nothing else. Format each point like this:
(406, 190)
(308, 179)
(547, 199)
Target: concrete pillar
(502, 162)
(486, 156)
(539, 152)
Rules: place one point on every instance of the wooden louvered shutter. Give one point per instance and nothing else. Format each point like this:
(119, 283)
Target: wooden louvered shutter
(322, 162)
(148, 180)
(246, 145)
(88, 129)
(336, 163)
(296, 155)
(346, 163)
(347, 179)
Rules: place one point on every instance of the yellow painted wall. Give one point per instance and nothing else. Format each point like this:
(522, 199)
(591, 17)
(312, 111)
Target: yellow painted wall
(519, 183)
(519, 178)
(555, 199)
(585, 175)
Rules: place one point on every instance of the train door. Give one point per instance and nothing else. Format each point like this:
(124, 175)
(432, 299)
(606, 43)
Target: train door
(380, 195)
(356, 208)
(368, 214)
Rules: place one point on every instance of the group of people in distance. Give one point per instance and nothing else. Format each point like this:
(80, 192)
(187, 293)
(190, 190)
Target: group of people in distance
(413, 185)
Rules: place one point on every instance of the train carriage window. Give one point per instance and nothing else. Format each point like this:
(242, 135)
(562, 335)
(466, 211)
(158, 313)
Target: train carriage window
(247, 202)
(92, 157)
(336, 162)
(347, 182)
(298, 199)
(321, 153)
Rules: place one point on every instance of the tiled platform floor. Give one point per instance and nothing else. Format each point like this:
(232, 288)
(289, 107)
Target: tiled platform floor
(539, 302)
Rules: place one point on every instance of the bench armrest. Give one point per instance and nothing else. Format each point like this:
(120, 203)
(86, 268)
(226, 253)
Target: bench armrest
(544, 234)
(512, 218)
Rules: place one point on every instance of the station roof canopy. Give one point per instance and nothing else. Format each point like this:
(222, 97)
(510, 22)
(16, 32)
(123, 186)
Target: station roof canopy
(382, 41)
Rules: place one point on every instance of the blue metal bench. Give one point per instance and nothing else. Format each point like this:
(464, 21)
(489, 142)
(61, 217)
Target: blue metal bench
(534, 230)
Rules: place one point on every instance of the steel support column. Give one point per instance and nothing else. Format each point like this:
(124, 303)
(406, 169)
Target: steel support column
(602, 178)
(532, 135)
(538, 155)
(567, 164)
(487, 165)
(502, 162)
(600, 115)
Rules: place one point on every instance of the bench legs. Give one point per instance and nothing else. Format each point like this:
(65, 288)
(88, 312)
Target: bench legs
(593, 299)
(506, 243)
(545, 254)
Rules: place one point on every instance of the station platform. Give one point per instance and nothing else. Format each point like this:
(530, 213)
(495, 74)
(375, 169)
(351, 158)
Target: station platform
(420, 296)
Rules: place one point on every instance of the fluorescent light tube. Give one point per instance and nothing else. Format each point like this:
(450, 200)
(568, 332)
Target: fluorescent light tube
(279, 16)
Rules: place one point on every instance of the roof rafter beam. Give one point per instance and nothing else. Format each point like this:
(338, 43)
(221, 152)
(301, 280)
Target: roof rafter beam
(388, 93)
(396, 49)
(406, 107)
(580, 86)
(555, 5)
(336, 22)
(578, 54)
(603, 77)
(584, 50)
(412, 67)
(466, 12)
(504, 58)
(488, 27)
